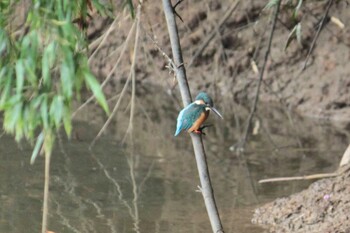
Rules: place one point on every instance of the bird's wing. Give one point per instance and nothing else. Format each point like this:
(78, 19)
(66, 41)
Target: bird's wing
(187, 117)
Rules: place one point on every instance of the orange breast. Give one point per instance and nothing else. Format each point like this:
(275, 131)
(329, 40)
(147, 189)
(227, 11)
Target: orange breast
(204, 115)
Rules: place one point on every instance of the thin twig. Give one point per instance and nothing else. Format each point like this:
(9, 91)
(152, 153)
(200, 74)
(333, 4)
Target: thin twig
(116, 106)
(317, 34)
(343, 167)
(106, 34)
(109, 76)
(309, 177)
(206, 187)
(214, 32)
(155, 43)
(261, 75)
(346, 157)
(132, 73)
(46, 191)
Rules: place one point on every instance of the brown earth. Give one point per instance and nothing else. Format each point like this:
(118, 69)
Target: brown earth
(224, 65)
(223, 68)
(323, 207)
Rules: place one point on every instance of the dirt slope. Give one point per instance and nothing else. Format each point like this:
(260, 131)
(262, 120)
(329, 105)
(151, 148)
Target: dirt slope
(323, 207)
(224, 69)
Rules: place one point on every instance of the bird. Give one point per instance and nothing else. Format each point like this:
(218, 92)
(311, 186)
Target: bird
(193, 115)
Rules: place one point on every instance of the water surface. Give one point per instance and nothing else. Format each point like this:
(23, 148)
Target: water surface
(149, 182)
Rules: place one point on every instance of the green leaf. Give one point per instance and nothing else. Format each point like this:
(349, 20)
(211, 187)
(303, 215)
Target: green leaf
(36, 101)
(67, 71)
(93, 84)
(12, 101)
(30, 68)
(3, 41)
(294, 34)
(44, 112)
(67, 121)
(59, 22)
(12, 116)
(20, 125)
(19, 76)
(37, 147)
(271, 4)
(5, 93)
(297, 8)
(3, 72)
(103, 9)
(56, 110)
(131, 8)
(48, 61)
(30, 115)
(25, 46)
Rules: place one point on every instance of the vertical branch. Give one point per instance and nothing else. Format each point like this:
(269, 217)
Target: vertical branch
(177, 53)
(206, 188)
(320, 26)
(261, 75)
(46, 191)
(133, 75)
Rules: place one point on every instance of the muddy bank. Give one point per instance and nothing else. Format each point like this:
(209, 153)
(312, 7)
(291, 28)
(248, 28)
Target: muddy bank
(323, 207)
(223, 67)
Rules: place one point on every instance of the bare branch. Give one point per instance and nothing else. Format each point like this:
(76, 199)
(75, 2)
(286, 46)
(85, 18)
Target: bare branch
(262, 71)
(109, 76)
(104, 37)
(317, 33)
(207, 190)
(133, 75)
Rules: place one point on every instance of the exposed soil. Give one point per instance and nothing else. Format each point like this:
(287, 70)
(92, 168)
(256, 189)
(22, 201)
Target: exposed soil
(224, 68)
(323, 207)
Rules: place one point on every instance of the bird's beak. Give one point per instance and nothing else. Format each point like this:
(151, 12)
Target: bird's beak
(216, 112)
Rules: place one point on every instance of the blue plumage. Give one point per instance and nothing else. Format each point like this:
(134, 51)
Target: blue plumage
(188, 116)
(192, 117)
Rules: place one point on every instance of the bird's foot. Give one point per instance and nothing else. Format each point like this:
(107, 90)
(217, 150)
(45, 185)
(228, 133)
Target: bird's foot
(198, 131)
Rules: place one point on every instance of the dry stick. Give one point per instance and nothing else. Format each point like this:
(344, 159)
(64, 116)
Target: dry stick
(171, 64)
(110, 29)
(132, 72)
(341, 169)
(215, 31)
(46, 192)
(109, 76)
(116, 106)
(206, 188)
(309, 177)
(317, 33)
(267, 53)
(346, 157)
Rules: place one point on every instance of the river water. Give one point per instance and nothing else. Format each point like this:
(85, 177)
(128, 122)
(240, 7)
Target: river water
(147, 180)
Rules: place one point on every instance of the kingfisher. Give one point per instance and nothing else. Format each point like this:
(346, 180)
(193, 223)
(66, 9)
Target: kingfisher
(192, 117)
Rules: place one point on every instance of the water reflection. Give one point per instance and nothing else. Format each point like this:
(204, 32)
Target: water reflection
(149, 184)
